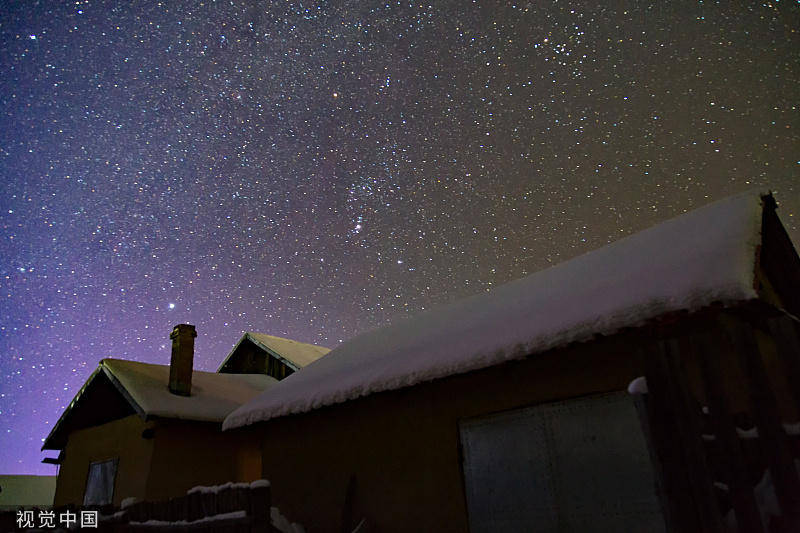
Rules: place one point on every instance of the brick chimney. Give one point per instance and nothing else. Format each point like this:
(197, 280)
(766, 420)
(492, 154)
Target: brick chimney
(180, 365)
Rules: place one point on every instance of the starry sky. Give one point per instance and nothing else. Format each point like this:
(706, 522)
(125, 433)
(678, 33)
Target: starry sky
(314, 170)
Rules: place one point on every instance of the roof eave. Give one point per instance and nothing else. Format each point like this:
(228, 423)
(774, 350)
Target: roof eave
(48, 444)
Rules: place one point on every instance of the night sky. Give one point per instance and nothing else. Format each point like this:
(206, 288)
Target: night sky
(315, 170)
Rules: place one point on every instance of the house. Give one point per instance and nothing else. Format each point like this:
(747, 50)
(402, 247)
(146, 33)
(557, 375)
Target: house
(510, 410)
(259, 353)
(150, 431)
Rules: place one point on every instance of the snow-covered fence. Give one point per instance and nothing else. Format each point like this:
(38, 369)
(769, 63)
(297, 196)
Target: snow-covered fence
(228, 508)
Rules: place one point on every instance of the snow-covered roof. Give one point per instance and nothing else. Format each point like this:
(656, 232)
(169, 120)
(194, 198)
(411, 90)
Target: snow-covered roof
(295, 354)
(704, 256)
(119, 388)
(213, 395)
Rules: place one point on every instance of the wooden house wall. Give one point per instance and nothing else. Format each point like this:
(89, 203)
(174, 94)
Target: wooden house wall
(393, 458)
(190, 454)
(250, 359)
(172, 457)
(121, 439)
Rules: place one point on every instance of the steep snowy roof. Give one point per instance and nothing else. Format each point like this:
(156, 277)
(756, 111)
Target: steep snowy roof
(707, 255)
(295, 354)
(213, 395)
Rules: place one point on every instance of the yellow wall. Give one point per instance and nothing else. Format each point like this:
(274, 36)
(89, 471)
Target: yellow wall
(188, 454)
(180, 455)
(117, 439)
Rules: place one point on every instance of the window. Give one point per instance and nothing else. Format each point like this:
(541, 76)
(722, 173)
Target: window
(100, 483)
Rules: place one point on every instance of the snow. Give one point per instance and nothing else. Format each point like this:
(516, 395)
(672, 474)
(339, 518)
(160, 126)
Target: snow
(215, 518)
(299, 353)
(766, 499)
(296, 354)
(218, 488)
(722, 486)
(259, 483)
(702, 257)
(638, 386)
(282, 524)
(127, 502)
(213, 395)
(791, 428)
(113, 517)
(751, 433)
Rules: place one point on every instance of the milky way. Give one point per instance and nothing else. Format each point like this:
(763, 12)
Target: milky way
(313, 171)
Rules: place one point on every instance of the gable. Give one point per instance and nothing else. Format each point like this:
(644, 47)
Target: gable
(258, 353)
(99, 401)
(247, 358)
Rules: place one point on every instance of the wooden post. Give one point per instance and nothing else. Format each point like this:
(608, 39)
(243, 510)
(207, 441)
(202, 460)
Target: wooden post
(688, 410)
(208, 503)
(765, 410)
(643, 409)
(194, 506)
(347, 511)
(690, 503)
(260, 507)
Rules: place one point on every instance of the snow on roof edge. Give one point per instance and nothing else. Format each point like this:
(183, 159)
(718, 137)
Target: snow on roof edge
(714, 265)
(254, 337)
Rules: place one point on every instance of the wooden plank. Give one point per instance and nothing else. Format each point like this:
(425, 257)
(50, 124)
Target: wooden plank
(690, 428)
(730, 454)
(766, 414)
(643, 406)
(786, 332)
(689, 501)
(674, 493)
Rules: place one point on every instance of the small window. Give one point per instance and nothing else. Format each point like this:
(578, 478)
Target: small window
(100, 483)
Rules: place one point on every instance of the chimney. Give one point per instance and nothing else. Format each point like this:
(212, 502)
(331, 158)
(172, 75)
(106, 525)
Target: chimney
(180, 365)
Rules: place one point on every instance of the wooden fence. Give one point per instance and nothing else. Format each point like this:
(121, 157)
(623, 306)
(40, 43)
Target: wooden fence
(229, 508)
(721, 417)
